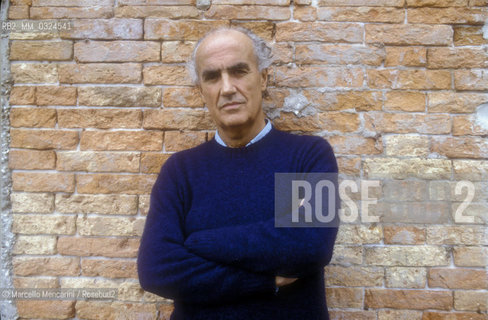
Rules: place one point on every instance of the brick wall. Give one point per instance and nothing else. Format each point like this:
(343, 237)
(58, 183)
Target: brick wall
(397, 87)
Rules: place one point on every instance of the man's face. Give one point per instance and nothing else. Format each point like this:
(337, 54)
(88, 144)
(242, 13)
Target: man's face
(230, 81)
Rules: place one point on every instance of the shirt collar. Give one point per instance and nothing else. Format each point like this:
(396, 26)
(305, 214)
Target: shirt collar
(260, 135)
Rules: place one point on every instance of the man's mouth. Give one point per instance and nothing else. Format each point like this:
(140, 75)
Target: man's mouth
(231, 105)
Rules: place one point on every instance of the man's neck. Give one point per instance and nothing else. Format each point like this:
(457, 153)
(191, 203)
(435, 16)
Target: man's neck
(239, 137)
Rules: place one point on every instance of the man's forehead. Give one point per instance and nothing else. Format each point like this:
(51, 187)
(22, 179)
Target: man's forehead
(233, 45)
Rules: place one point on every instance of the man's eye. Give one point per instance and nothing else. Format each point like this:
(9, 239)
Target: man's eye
(239, 72)
(211, 77)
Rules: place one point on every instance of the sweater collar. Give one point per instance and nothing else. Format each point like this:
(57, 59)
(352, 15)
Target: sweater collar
(267, 128)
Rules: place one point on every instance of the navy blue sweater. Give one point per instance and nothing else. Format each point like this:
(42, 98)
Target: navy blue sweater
(210, 243)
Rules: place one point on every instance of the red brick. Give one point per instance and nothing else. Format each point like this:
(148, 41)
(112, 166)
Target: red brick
(356, 315)
(360, 3)
(456, 58)
(344, 297)
(43, 139)
(305, 14)
(455, 102)
(189, 30)
(409, 101)
(461, 147)
(61, 96)
(352, 276)
(409, 79)
(408, 299)
(320, 31)
(289, 122)
(117, 51)
(33, 117)
(41, 50)
(264, 29)
(248, 12)
(71, 3)
(470, 256)
(177, 141)
(97, 161)
(460, 278)
(339, 54)
(122, 140)
(356, 144)
(399, 315)
(406, 56)
(170, 12)
(120, 96)
(109, 268)
(403, 235)
(42, 181)
(349, 166)
(362, 14)
(447, 15)
(31, 159)
(71, 12)
(182, 97)
(176, 51)
(152, 162)
(408, 34)
(22, 95)
(431, 315)
(99, 118)
(107, 247)
(166, 75)
(34, 73)
(115, 310)
(109, 226)
(18, 12)
(52, 266)
(319, 76)
(474, 79)
(45, 309)
(177, 119)
(35, 224)
(100, 73)
(467, 125)
(104, 29)
(468, 36)
(408, 123)
(114, 183)
(98, 204)
(437, 3)
(339, 121)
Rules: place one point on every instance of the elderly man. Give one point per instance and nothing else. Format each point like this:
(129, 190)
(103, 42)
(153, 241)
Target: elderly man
(210, 241)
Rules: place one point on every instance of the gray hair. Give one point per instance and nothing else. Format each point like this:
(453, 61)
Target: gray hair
(262, 51)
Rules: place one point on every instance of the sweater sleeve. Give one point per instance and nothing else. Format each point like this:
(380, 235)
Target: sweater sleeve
(167, 268)
(262, 247)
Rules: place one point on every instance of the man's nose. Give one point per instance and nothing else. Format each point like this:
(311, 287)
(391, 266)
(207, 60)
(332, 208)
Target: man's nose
(228, 87)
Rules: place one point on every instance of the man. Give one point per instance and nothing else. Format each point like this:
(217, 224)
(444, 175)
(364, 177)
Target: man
(210, 242)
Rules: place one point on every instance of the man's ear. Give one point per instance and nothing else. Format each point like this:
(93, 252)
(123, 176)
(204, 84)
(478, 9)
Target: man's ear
(264, 80)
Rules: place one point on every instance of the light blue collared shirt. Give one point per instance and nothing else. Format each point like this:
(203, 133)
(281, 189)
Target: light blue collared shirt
(265, 131)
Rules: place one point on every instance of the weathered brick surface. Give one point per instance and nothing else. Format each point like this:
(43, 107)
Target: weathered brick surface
(119, 96)
(99, 118)
(90, 246)
(41, 50)
(100, 73)
(113, 183)
(46, 309)
(117, 51)
(395, 86)
(33, 117)
(122, 140)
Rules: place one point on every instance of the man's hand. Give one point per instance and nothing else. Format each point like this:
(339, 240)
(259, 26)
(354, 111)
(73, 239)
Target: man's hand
(282, 281)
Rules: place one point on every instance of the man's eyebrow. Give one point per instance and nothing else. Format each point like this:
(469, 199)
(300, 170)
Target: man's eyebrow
(238, 66)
